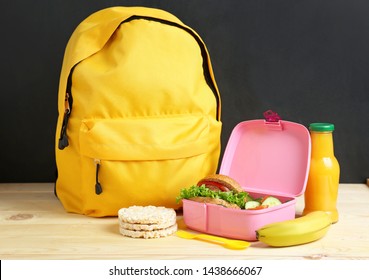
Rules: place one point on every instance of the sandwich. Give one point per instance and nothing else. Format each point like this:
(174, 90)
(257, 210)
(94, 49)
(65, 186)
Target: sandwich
(225, 191)
(217, 189)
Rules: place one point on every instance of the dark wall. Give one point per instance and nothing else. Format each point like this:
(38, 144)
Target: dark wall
(307, 60)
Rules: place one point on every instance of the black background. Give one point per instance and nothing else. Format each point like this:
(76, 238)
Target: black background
(307, 60)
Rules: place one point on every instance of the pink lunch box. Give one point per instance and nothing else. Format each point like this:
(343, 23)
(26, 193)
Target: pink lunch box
(266, 158)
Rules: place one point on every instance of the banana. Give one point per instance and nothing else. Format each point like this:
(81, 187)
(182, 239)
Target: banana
(308, 228)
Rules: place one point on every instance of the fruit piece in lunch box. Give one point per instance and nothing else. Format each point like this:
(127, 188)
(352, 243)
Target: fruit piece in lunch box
(252, 204)
(270, 201)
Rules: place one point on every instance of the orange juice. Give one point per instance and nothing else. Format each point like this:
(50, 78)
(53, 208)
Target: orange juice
(322, 186)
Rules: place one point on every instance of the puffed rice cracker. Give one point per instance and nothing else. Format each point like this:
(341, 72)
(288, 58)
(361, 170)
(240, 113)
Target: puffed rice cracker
(147, 227)
(147, 215)
(149, 234)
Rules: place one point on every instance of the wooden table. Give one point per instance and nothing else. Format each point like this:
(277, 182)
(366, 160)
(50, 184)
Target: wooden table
(34, 225)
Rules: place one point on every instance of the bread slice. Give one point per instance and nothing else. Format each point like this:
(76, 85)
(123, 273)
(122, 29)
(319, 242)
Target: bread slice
(216, 201)
(224, 180)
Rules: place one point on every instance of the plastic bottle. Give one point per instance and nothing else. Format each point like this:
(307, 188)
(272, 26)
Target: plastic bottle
(322, 186)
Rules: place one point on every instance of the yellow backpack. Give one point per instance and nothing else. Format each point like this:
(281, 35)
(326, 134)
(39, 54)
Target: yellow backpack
(139, 112)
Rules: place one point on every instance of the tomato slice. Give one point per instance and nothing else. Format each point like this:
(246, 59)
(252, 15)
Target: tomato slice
(264, 198)
(213, 185)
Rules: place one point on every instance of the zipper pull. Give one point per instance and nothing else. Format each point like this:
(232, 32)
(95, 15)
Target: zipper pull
(98, 188)
(63, 140)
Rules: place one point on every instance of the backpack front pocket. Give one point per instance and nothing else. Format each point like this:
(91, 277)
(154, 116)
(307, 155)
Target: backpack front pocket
(145, 160)
(144, 139)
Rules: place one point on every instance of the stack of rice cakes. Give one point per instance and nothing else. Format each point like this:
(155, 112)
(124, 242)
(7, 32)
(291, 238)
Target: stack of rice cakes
(147, 221)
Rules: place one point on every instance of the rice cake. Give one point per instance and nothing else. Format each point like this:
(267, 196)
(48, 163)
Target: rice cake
(149, 234)
(147, 221)
(146, 214)
(147, 227)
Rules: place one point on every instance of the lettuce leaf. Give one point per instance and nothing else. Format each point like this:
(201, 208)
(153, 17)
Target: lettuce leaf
(202, 191)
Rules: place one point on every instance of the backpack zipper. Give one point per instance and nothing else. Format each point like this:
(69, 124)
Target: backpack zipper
(98, 188)
(204, 54)
(63, 139)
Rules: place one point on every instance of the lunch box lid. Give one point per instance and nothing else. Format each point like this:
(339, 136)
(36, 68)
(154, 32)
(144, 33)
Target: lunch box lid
(270, 156)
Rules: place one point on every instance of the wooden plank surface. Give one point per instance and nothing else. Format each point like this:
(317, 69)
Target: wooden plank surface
(34, 225)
